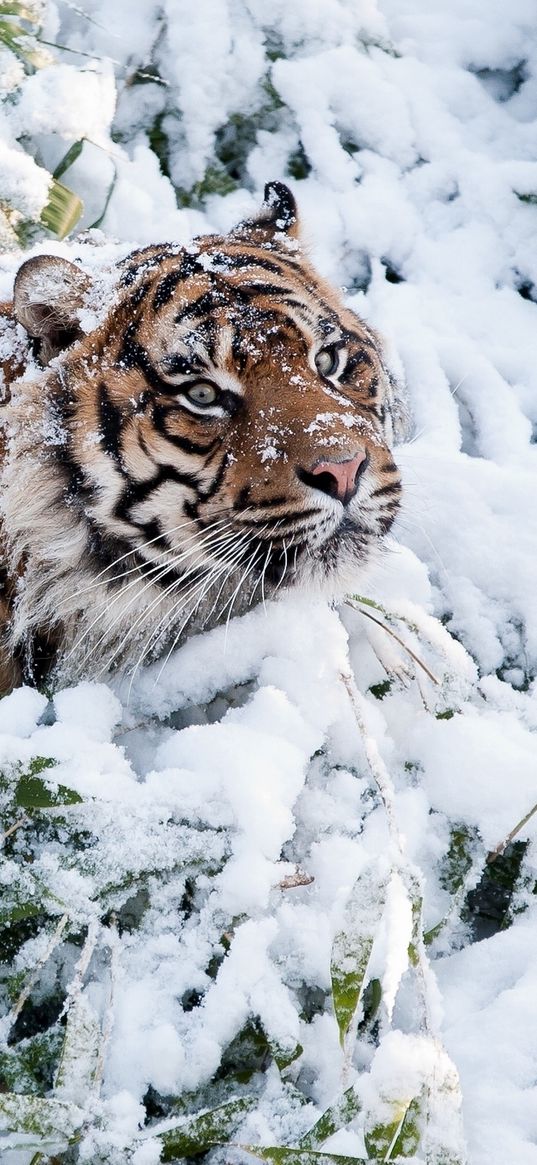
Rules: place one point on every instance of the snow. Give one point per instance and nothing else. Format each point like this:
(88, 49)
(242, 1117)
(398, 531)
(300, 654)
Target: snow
(230, 796)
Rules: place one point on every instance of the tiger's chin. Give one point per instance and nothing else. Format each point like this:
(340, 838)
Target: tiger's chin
(328, 569)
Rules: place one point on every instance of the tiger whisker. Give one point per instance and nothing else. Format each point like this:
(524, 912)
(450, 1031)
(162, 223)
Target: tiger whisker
(263, 573)
(134, 549)
(208, 543)
(261, 578)
(222, 585)
(284, 568)
(244, 549)
(157, 565)
(121, 612)
(145, 615)
(165, 594)
(249, 567)
(204, 584)
(226, 569)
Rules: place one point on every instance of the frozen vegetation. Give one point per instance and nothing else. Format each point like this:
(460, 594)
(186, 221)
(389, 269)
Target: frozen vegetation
(248, 900)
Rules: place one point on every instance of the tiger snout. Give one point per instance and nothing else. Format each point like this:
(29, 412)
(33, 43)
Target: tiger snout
(339, 479)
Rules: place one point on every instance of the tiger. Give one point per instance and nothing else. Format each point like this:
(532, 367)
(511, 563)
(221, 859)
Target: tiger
(222, 435)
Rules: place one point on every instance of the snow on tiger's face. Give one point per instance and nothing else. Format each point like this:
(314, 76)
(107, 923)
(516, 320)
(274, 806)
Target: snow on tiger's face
(228, 422)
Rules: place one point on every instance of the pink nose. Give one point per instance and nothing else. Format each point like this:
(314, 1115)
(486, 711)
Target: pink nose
(339, 479)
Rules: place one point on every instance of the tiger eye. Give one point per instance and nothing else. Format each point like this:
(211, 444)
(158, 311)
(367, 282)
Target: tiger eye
(202, 393)
(327, 361)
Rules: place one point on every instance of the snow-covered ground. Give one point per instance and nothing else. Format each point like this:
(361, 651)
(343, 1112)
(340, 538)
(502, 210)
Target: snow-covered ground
(263, 819)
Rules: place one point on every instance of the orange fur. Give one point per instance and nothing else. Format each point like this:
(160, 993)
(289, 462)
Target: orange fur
(136, 511)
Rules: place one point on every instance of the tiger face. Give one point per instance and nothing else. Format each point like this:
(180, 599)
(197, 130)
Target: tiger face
(224, 433)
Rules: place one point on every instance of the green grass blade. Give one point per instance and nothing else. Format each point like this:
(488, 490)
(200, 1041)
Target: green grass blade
(398, 1137)
(195, 1134)
(33, 1114)
(79, 1054)
(280, 1155)
(13, 8)
(69, 158)
(33, 793)
(352, 948)
(339, 1114)
(62, 211)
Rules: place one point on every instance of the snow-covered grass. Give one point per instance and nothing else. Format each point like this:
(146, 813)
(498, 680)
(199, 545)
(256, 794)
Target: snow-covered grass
(258, 882)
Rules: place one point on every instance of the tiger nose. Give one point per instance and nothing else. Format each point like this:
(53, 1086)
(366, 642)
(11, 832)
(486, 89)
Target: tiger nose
(339, 479)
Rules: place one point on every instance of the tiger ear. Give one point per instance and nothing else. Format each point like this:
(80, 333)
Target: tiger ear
(47, 298)
(278, 214)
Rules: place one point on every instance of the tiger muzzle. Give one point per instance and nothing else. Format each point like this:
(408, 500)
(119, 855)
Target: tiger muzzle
(338, 479)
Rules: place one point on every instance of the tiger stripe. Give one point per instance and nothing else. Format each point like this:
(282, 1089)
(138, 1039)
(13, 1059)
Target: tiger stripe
(202, 434)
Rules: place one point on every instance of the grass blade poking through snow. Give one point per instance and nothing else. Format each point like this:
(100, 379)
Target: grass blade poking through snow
(355, 602)
(352, 947)
(399, 1137)
(62, 210)
(277, 1155)
(38, 1116)
(195, 1134)
(334, 1118)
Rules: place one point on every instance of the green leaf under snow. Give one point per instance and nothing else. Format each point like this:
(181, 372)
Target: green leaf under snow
(348, 968)
(62, 211)
(352, 947)
(69, 158)
(409, 1135)
(27, 1067)
(33, 792)
(415, 942)
(339, 1114)
(398, 1137)
(284, 1058)
(33, 1114)
(278, 1155)
(196, 1134)
(13, 8)
(19, 912)
(80, 1052)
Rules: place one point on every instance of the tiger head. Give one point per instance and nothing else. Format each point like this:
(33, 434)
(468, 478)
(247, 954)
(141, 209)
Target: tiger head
(224, 432)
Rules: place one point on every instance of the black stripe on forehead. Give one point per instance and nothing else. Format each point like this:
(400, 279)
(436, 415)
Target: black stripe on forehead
(326, 325)
(166, 289)
(317, 313)
(188, 266)
(179, 364)
(236, 260)
(265, 322)
(204, 304)
(239, 350)
(144, 262)
(223, 264)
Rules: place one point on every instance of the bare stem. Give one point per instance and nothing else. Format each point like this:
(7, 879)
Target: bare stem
(13, 828)
(357, 607)
(34, 975)
(502, 845)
